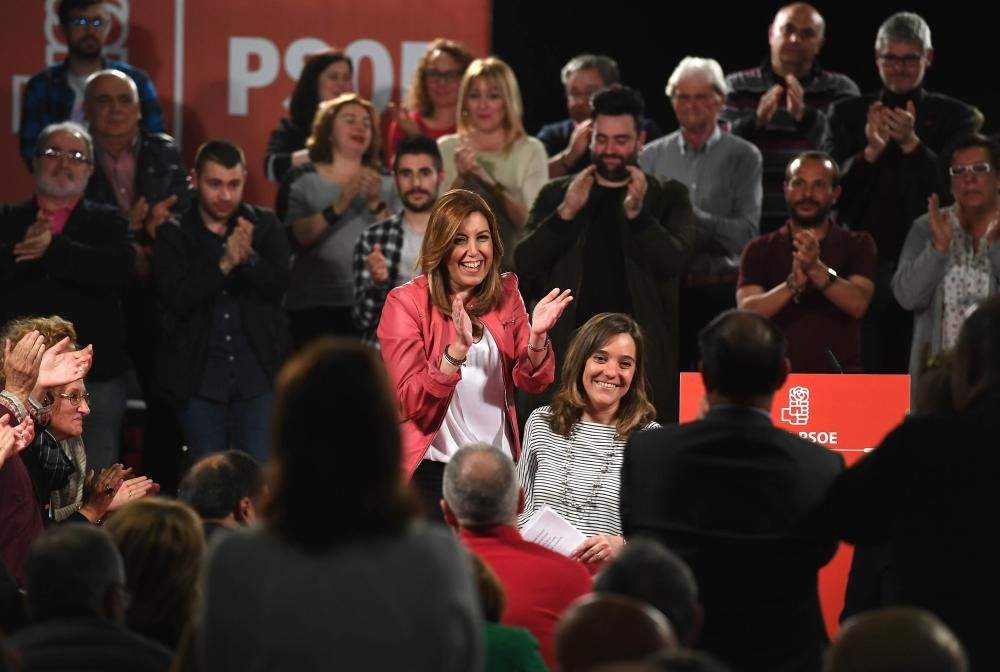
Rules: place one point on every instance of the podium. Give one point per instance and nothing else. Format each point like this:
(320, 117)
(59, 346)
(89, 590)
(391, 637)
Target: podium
(848, 413)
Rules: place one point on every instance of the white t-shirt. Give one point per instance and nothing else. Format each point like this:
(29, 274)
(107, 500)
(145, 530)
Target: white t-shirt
(408, 255)
(478, 409)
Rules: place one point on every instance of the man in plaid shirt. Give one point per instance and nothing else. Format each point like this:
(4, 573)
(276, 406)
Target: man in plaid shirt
(386, 252)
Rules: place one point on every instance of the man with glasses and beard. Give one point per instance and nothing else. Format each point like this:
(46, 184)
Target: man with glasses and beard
(57, 93)
(385, 255)
(61, 254)
(618, 237)
(813, 277)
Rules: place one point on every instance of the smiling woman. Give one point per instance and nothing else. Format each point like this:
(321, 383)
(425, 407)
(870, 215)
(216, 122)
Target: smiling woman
(573, 449)
(457, 341)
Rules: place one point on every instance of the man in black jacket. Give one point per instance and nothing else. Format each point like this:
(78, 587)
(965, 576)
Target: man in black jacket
(220, 276)
(888, 143)
(61, 254)
(734, 496)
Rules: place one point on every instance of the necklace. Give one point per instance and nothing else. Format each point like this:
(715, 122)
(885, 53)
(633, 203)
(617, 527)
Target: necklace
(591, 493)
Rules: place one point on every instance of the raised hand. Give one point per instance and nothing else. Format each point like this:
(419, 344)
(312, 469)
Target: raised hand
(636, 192)
(463, 329)
(579, 141)
(21, 363)
(548, 311)
(577, 193)
(377, 266)
(158, 214)
(402, 117)
(939, 225)
(61, 364)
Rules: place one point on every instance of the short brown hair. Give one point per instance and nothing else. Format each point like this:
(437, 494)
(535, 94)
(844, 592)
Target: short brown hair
(319, 145)
(499, 73)
(418, 98)
(448, 214)
(635, 411)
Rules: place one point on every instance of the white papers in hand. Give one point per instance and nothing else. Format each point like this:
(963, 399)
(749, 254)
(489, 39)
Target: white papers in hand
(549, 529)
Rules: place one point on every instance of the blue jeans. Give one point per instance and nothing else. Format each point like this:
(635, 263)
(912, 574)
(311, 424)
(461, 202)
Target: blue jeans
(102, 433)
(213, 426)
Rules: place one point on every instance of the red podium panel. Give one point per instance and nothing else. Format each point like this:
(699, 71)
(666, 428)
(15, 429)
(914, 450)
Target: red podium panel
(847, 413)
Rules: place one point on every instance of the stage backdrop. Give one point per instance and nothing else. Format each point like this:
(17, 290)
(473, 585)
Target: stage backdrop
(226, 68)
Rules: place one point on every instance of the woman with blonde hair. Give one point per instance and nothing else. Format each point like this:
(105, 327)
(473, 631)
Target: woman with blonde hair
(573, 449)
(162, 544)
(490, 153)
(457, 341)
(330, 201)
(432, 103)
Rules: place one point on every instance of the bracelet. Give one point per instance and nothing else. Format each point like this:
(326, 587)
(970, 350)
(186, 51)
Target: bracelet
(330, 215)
(793, 288)
(451, 360)
(379, 207)
(14, 405)
(544, 347)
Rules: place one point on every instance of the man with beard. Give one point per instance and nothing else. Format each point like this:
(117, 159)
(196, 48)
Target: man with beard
(61, 254)
(813, 277)
(220, 276)
(57, 93)
(385, 255)
(723, 173)
(616, 236)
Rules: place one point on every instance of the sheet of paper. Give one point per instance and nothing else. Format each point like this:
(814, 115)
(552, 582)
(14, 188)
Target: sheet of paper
(552, 531)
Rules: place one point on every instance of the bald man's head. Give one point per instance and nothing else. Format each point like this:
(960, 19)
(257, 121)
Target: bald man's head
(796, 37)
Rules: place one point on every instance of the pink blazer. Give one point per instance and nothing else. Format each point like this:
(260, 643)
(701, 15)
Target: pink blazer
(413, 334)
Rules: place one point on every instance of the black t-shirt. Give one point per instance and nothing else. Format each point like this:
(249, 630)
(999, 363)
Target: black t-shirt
(604, 287)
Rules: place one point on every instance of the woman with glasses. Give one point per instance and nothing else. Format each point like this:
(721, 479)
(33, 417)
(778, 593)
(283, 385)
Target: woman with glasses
(491, 154)
(457, 341)
(330, 201)
(432, 104)
(951, 258)
(324, 76)
(573, 449)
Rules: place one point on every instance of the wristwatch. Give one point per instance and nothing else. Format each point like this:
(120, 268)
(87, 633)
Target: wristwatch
(831, 277)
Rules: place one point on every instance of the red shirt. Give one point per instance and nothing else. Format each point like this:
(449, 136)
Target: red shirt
(20, 519)
(540, 584)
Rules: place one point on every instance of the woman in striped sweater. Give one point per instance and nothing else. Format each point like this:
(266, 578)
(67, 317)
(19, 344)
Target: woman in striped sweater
(573, 449)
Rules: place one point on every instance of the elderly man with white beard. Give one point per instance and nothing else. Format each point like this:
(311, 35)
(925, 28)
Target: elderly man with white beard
(61, 254)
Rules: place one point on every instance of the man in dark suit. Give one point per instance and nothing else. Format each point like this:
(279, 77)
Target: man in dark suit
(930, 492)
(733, 496)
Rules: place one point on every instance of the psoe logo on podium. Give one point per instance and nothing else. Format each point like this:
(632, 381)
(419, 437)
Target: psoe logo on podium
(797, 410)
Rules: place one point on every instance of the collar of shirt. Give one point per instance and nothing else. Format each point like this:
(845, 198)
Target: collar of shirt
(59, 216)
(712, 139)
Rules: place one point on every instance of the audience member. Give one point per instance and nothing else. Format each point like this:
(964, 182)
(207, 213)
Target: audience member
(385, 254)
(481, 501)
(162, 545)
(491, 154)
(602, 629)
(722, 172)
(790, 275)
(225, 490)
(567, 142)
(330, 201)
(373, 591)
(57, 93)
(220, 276)
(781, 106)
(432, 103)
(951, 259)
(889, 143)
(76, 601)
(646, 571)
(457, 341)
(618, 237)
(733, 495)
(687, 660)
(325, 76)
(928, 491)
(902, 639)
(508, 649)
(573, 449)
(71, 257)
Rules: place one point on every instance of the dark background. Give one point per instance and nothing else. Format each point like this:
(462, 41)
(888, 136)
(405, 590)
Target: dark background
(648, 39)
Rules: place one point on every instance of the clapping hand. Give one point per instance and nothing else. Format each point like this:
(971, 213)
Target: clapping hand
(548, 310)
(636, 192)
(768, 105)
(133, 489)
(21, 363)
(577, 193)
(61, 364)
(795, 98)
(377, 266)
(876, 133)
(463, 329)
(402, 117)
(939, 225)
(36, 239)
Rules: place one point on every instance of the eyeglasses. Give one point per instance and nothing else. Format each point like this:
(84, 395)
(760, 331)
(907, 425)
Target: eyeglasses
(979, 168)
(74, 398)
(444, 75)
(83, 22)
(54, 154)
(908, 61)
